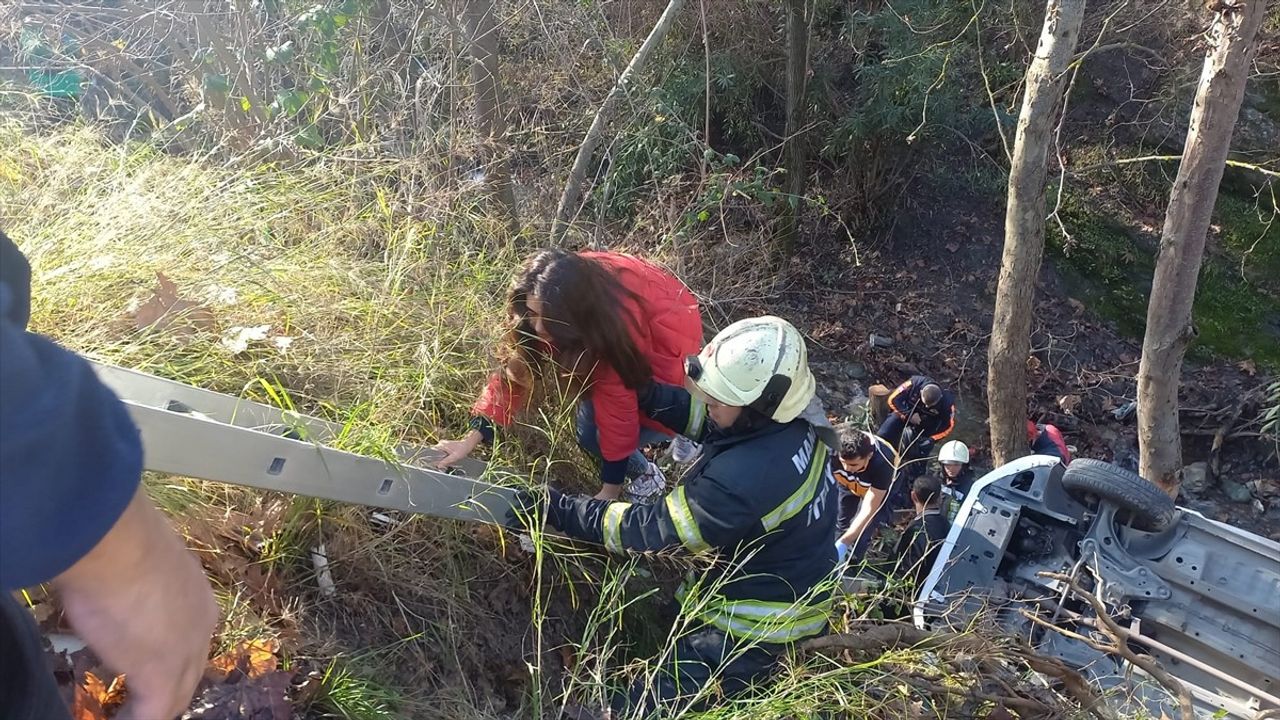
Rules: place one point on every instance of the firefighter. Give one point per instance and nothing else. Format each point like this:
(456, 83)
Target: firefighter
(602, 325)
(74, 515)
(865, 469)
(956, 477)
(921, 406)
(760, 498)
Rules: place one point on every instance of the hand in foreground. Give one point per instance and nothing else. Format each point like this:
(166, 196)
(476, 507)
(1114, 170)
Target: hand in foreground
(455, 450)
(142, 603)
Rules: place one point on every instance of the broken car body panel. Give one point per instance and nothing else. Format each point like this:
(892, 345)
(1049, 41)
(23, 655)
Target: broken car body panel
(1202, 597)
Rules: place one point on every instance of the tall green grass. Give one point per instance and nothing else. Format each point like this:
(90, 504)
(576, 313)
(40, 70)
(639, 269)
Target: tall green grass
(391, 291)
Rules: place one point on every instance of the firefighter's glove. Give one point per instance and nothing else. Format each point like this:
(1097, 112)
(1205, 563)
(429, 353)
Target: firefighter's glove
(526, 509)
(842, 552)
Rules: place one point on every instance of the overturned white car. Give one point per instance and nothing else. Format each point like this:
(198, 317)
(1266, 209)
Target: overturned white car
(1200, 597)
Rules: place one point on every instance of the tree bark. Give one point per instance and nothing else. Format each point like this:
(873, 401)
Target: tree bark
(794, 150)
(1186, 222)
(1024, 230)
(577, 175)
(491, 121)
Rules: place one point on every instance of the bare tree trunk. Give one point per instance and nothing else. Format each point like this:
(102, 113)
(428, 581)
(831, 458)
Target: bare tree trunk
(794, 150)
(1186, 222)
(491, 121)
(578, 174)
(1024, 223)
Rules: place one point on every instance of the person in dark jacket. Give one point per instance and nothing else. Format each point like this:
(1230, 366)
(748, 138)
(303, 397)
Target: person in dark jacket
(761, 497)
(1046, 439)
(603, 325)
(72, 513)
(918, 546)
(865, 470)
(924, 407)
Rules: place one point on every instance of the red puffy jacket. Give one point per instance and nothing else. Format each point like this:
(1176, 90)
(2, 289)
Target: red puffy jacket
(669, 330)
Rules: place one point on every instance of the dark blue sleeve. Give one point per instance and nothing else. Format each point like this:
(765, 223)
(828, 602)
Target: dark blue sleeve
(70, 457)
(1044, 445)
(675, 409)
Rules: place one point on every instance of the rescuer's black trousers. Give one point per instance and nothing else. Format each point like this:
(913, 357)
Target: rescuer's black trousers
(699, 658)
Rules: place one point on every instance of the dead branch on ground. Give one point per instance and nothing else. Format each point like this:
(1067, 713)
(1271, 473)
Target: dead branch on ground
(875, 639)
(1117, 645)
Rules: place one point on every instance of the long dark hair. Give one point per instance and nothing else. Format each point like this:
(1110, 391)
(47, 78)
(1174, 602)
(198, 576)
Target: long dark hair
(583, 312)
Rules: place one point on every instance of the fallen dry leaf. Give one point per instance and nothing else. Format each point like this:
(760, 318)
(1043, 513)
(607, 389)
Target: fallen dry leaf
(253, 658)
(1069, 403)
(567, 657)
(952, 247)
(86, 706)
(265, 697)
(1248, 366)
(166, 310)
(95, 699)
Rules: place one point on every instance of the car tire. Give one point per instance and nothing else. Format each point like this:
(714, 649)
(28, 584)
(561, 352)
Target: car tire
(1151, 509)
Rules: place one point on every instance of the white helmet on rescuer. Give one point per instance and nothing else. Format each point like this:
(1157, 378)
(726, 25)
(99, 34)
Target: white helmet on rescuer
(760, 363)
(954, 452)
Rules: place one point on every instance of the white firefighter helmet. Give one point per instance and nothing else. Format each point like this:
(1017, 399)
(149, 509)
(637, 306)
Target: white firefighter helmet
(759, 362)
(954, 452)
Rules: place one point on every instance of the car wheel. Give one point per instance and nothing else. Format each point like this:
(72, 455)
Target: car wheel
(1151, 509)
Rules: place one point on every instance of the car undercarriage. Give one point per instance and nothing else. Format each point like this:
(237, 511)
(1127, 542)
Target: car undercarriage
(1095, 566)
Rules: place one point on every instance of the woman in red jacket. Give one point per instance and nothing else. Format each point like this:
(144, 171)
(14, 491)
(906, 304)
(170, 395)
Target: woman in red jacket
(609, 323)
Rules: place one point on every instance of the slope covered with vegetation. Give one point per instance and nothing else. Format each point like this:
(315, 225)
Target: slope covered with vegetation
(311, 182)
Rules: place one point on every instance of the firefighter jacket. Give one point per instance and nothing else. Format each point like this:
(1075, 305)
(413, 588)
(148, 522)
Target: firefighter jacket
(763, 502)
(936, 422)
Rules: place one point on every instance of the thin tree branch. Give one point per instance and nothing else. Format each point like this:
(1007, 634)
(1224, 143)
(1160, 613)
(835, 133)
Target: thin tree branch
(1171, 158)
(1117, 635)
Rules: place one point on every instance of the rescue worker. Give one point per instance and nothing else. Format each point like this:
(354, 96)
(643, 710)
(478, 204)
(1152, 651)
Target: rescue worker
(74, 515)
(603, 325)
(917, 548)
(913, 555)
(1047, 440)
(956, 477)
(761, 497)
(865, 470)
(923, 407)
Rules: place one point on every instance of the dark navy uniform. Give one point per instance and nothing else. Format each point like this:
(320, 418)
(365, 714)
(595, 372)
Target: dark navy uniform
(70, 462)
(936, 422)
(918, 547)
(764, 501)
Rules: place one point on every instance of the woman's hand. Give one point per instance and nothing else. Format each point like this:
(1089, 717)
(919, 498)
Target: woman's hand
(455, 450)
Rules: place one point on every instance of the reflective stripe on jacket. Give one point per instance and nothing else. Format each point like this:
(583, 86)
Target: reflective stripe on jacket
(936, 422)
(763, 501)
